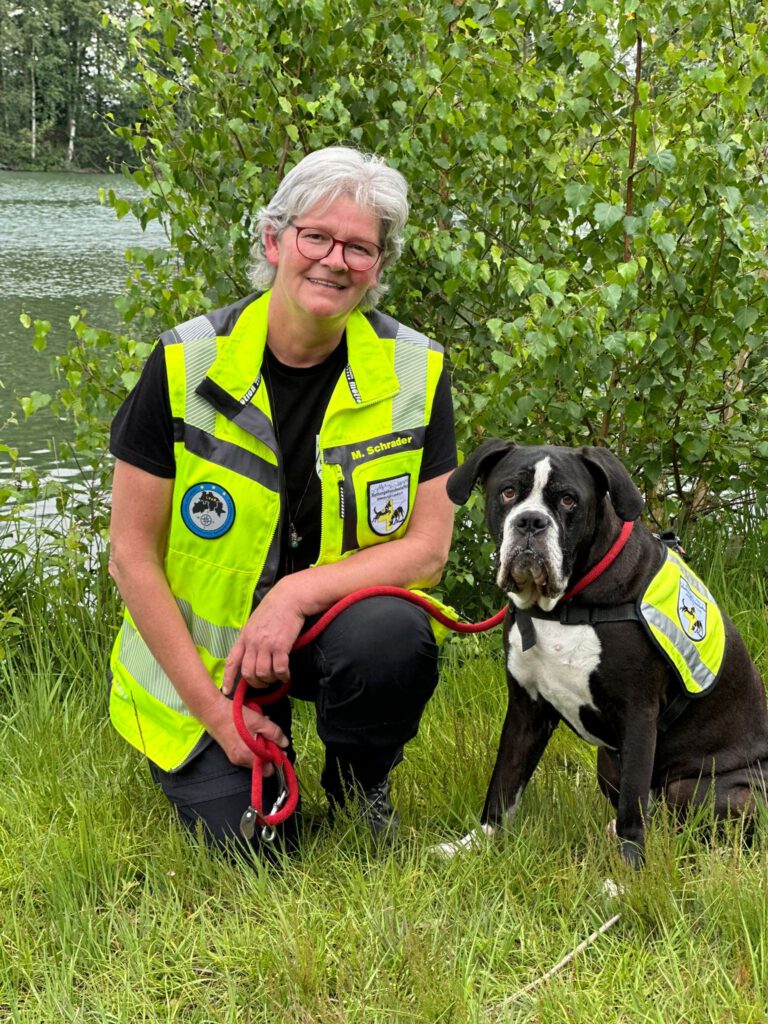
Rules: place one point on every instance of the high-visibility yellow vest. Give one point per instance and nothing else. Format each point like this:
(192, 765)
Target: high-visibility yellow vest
(686, 624)
(223, 547)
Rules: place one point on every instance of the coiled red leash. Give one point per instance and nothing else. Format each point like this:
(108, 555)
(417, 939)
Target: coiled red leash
(265, 751)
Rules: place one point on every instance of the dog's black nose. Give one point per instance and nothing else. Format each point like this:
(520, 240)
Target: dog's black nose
(531, 523)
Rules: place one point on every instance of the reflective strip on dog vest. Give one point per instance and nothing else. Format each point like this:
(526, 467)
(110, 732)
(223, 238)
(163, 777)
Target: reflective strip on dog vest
(685, 623)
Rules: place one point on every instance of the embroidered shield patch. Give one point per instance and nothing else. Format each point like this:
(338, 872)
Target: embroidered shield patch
(208, 510)
(692, 611)
(388, 504)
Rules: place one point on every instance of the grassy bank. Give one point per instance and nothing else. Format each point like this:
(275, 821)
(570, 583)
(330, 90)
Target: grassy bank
(109, 915)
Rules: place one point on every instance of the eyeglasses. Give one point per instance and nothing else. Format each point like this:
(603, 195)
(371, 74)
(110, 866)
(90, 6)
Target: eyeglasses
(315, 244)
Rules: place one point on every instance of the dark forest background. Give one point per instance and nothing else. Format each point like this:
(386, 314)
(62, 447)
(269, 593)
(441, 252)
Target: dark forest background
(64, 79)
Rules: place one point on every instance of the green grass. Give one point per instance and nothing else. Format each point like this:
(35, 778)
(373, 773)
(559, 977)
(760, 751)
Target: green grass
(109, 914)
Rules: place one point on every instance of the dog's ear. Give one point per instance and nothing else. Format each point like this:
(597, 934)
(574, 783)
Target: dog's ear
(476, 467)
(610, 472)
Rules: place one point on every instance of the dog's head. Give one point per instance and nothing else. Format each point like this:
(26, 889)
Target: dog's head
(542, 507)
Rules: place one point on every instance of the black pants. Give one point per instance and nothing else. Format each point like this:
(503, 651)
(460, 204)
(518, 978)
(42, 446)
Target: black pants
(370, 675)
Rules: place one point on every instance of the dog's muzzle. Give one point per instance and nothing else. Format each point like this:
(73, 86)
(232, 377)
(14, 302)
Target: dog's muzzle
(530, 557)
(524, 568)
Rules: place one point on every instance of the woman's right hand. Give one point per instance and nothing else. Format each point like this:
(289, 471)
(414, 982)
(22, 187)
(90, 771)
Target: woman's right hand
(226, 735)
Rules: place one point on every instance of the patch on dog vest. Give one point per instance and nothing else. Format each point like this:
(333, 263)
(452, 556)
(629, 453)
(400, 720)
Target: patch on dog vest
(685, 623)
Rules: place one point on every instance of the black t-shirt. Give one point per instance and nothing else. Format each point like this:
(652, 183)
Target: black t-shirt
(298, 397)
(143, 435)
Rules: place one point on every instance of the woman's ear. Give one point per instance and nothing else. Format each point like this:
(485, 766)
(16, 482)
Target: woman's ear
(271, 248)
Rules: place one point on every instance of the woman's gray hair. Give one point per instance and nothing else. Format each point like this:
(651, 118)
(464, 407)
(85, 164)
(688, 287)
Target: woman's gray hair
(321, 178)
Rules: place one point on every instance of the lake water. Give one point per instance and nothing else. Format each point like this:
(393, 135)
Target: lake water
(60, 251)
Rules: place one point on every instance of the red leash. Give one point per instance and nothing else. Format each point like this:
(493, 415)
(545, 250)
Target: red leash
(610, 556)
(267, 751)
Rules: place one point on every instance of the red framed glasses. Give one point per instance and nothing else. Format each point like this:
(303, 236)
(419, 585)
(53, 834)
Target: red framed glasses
(316, 244)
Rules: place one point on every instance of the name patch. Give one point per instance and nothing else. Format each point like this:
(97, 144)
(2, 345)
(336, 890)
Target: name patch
(208, 510)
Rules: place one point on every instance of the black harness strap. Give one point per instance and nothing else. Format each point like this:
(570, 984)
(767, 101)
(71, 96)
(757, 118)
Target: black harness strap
(569, 615)
(673, 710)
(581, 615)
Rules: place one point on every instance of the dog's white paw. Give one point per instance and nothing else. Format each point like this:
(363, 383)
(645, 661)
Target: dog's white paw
(610, 829)
(469, 841)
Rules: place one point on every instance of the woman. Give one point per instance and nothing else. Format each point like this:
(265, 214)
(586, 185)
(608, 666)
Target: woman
(275, 456)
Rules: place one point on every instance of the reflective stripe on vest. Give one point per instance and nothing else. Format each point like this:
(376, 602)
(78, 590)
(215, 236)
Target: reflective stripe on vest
(686, 624)
(226, 455)
(135, 655)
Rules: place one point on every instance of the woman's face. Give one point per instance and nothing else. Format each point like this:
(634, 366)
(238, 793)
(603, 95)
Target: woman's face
(324, 288)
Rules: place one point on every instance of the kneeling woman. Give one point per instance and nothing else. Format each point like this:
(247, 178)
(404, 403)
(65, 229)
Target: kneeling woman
(275, 456)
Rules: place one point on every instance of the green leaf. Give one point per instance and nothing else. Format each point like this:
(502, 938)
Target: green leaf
(613, 295)
(577, 194)
(745, 317)
(121, 207)
(715, 82)
(666, 242)
(607, 214)
(519, 275)
(588, 59)
(502, 361)
(663, 161)
(580, 106)
(34, 402)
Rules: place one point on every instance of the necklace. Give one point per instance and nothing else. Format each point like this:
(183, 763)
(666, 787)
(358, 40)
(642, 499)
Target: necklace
(294, 538)
(293, 535)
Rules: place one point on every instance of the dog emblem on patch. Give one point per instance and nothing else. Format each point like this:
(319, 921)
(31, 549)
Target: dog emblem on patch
(208, 510)
(692, 611)
(388, 504)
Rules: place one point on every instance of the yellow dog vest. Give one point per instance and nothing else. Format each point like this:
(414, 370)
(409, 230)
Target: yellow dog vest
(685, 623)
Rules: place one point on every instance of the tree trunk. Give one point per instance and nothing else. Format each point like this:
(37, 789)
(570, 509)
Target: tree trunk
(73, 100)
(71, 140)
(33, 102)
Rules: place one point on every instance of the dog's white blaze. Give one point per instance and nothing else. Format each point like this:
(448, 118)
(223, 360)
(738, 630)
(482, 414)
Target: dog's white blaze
(558, 668)
(550, 550)
(540, 477)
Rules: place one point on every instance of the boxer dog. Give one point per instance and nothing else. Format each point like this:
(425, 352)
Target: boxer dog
(573, 562)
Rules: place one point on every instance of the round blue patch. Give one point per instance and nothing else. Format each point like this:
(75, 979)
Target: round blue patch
(208, 510)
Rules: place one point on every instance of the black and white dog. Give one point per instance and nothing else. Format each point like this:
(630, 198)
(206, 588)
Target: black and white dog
(559, 517)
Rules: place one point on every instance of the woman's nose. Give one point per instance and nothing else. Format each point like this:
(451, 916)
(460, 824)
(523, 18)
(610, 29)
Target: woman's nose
(335, 258)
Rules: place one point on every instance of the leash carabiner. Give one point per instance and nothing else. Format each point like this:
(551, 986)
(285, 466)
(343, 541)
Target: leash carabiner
(268, 832)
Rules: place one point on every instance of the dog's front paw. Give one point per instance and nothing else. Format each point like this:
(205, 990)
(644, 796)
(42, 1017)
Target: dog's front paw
(633, 853)
(470, 841)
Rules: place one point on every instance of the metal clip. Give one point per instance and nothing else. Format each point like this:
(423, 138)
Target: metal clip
(269, 832)
(248, 822)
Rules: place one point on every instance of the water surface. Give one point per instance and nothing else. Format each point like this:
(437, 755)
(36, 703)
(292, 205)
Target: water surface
(60, 251)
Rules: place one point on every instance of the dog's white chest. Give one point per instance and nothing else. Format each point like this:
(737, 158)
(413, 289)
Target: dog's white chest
(558, 668)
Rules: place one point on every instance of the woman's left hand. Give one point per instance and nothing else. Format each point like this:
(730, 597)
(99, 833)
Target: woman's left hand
(260, 653)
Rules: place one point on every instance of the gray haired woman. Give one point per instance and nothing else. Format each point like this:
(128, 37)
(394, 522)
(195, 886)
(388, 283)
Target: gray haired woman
(277, 455)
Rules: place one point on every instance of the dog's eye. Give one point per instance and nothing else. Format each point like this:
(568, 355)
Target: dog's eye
(568, 501)
(508, 494)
